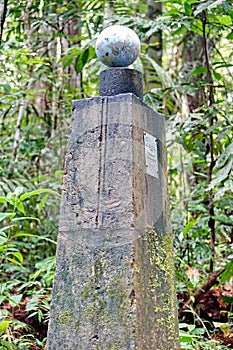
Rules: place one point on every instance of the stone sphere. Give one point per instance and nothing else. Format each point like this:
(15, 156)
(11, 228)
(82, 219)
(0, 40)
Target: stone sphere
(117, 46)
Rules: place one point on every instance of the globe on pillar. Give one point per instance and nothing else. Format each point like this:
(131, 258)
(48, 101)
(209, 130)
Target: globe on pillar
(117, 46)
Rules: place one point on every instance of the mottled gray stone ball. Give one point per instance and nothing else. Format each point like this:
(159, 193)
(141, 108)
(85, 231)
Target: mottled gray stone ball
(117, 46)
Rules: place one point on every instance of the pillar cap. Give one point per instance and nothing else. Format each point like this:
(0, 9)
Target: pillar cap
(123, 80)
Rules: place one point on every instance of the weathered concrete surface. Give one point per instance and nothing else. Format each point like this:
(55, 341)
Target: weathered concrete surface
(114, 283)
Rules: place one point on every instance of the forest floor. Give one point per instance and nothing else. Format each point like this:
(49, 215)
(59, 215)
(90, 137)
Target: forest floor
(213, 312)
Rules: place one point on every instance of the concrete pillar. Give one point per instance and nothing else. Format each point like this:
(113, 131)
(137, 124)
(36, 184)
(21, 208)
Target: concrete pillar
(114, 284)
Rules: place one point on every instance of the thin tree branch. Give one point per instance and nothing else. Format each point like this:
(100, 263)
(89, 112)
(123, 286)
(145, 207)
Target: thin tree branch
(211, 280)
(211, 222)
(3, 18)
(207, 61)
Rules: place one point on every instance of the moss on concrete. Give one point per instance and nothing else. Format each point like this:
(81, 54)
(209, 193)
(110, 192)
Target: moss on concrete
(64, 317)
(159, 249)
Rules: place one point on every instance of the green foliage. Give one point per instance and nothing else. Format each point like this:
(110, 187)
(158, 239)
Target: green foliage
(192, 338)
(23, 280)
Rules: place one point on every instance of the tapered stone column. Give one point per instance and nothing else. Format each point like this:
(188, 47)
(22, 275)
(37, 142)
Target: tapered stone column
(114, 283)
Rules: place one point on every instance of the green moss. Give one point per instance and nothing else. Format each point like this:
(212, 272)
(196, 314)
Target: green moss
(64, 317)
(162, 283)
(77, 324)
(98, 309)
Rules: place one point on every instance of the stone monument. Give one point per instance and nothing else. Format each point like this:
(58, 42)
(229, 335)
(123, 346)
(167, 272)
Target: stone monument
(114, 283)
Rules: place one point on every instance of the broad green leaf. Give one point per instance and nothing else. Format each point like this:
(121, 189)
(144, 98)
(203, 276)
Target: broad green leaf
(20, 207)
(186, 337)
(227, 299)
(196, 26)
(13, 261)
(228, 273)
(68, 62)
(7, 215)
(7, 88)
(224, 219)
(19, 190)
(230, 36)
(162, 74)
(2, 298)
(217, 76)
(180, 31)
(24, 235)
(173, 12)
(3, 200)
(225, 20)
(4, 325)
(36, 236)
(36, 192)
(222, 174)
(227, 7)
(198, 331)
(190, 225)
(191, 327)
(83, 58)
(46, 239)
(224, 327)
(207, 5)
(18, 255)
(183, 325)
(225, 155)
(7, 345)
(46, 262)
(3, 237)
(199, 70)
(15, 299)
(42, 202)
(26, 218)
(188, 9)
(91, 53)
(7, 248)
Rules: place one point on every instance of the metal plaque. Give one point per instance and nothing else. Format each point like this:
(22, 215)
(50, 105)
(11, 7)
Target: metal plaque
(151, 154)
